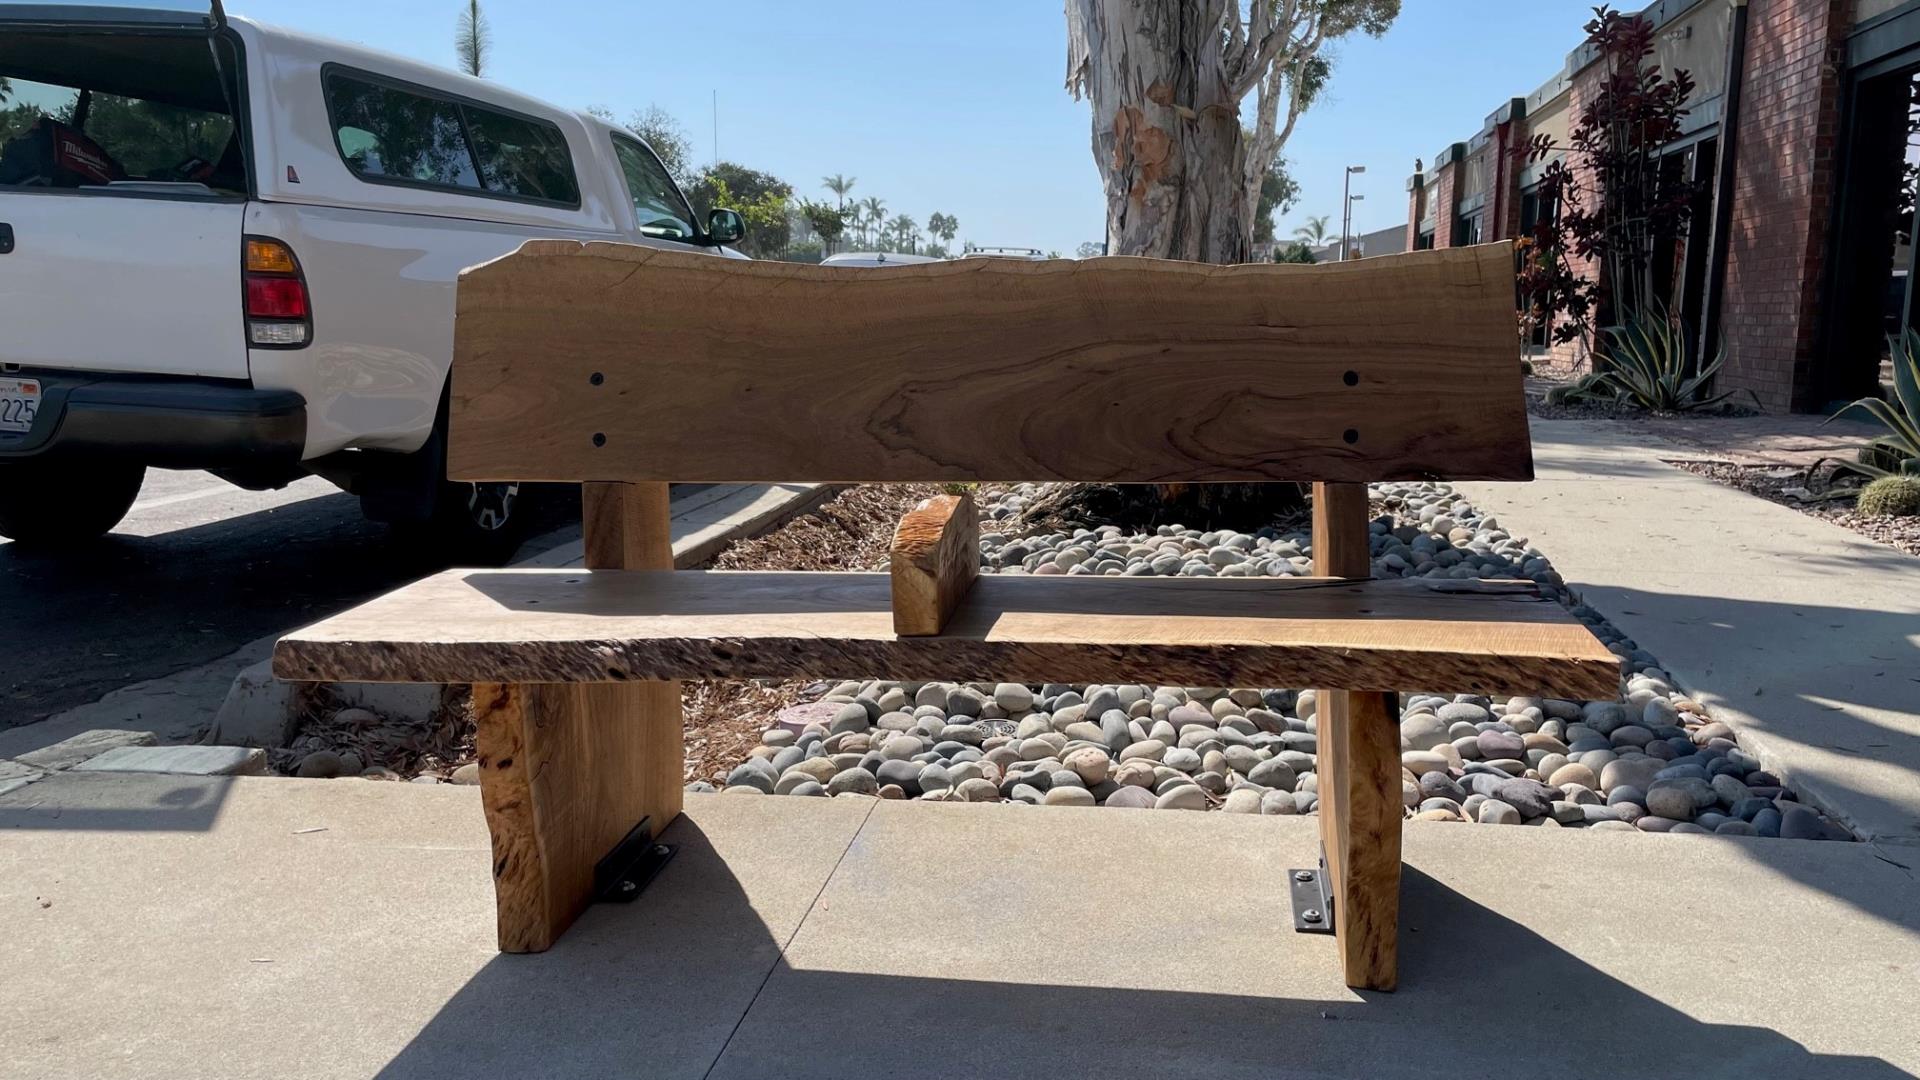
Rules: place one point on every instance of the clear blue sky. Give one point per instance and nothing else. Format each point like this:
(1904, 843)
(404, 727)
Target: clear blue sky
(960, 108)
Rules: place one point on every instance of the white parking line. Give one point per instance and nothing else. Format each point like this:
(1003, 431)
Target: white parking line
(185, 496)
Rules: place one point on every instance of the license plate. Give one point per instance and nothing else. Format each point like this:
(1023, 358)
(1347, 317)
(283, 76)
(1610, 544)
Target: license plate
(19, 400)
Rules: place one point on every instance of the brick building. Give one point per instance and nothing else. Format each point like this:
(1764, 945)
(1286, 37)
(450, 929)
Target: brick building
(1802, 135)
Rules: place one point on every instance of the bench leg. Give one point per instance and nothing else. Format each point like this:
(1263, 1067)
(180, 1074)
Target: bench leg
(565, 772)
(1360, 813)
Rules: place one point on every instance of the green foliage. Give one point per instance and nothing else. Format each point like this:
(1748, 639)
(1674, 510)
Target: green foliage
(1370, 17)
(472, 39)
(1891, 496)
(1883, 453)
(1652, 357)
(827, 222)
(1295, 252)
(1901, 416)
(760, 198)
(806, 252)
(943, 226)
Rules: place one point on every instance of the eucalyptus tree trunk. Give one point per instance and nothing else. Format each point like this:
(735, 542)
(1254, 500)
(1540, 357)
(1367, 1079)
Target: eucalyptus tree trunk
(1166, 127)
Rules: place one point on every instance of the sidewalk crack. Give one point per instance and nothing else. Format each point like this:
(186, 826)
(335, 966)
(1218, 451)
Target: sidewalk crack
(781, 955)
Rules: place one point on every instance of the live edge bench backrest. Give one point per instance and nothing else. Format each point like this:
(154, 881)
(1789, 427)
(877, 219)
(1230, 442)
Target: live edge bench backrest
(611, 362)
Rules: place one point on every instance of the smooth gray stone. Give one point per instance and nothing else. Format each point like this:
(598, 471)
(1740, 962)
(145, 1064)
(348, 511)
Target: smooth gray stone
(904, 773)
(746, 775)
(854, 781)
(1278, 802)
(1183, 759)
(1273, 773)
(1800, 823)
(1530, 797)
(1182, 797)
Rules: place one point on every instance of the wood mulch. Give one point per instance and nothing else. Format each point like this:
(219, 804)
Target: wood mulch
(851, 531)
(1788, 486)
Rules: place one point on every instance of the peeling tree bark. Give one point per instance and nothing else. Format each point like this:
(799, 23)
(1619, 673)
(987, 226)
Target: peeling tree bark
(1166, 127)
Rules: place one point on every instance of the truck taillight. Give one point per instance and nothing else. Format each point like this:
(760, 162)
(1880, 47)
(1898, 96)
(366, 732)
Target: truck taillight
(278, 312)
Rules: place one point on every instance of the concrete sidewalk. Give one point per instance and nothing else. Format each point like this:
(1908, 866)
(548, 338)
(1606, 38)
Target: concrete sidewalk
(1801, 634)
(244, 928)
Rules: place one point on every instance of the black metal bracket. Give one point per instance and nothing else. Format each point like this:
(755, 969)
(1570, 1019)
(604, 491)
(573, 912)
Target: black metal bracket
(620, 874)
(1312, 900)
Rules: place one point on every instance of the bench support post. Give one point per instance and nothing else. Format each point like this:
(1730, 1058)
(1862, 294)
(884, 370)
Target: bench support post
(1358, 773)
(567, 770)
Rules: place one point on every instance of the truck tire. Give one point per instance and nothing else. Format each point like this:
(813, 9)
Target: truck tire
(464, 523)
(478, 524)
(46, 504)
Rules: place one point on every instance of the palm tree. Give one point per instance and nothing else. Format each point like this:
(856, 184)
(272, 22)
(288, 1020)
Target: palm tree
(943, 226)
(907, 231)
(839, 185)
(472, 39)
(876, 213)
(1314, 232)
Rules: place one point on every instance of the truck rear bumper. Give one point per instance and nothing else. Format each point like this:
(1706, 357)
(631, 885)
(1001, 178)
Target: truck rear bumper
(171, 422)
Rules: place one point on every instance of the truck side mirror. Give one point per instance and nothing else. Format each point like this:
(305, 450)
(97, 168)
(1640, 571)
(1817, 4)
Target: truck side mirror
(726, 226)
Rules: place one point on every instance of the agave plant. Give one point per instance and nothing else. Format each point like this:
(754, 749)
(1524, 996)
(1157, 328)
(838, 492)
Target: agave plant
(1899, 449)
(1649, 356)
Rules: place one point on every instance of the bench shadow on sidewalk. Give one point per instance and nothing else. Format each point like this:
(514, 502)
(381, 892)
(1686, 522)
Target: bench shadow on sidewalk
(689, 982)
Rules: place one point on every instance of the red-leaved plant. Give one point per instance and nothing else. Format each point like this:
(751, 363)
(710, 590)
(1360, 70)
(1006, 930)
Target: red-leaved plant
(1604, 195)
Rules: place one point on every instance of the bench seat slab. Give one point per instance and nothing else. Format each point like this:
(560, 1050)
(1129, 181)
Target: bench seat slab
(525, 626)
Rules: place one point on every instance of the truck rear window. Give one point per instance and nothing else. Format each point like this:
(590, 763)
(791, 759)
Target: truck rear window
(119, 113)
(390, 133)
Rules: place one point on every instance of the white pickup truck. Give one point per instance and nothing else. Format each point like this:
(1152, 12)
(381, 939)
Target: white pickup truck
(232, 247)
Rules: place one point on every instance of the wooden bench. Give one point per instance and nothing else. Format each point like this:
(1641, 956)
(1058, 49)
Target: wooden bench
(621, 368)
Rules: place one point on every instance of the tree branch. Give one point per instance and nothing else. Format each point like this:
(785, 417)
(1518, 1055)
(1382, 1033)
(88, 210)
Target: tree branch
(1298, 19)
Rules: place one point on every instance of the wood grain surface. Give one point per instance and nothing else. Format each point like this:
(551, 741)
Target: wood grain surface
(933, 562)
(561, 625)
(566, 770)
(1359, 771)
(1360, 817)
(615, 362)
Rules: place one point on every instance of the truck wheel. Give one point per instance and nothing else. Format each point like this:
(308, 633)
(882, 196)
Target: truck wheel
(478, 523)
(45, 504)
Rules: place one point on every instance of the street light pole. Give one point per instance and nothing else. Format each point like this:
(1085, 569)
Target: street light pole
(1346, 206)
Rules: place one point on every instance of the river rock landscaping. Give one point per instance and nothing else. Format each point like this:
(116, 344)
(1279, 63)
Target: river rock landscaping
(1653, 760)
